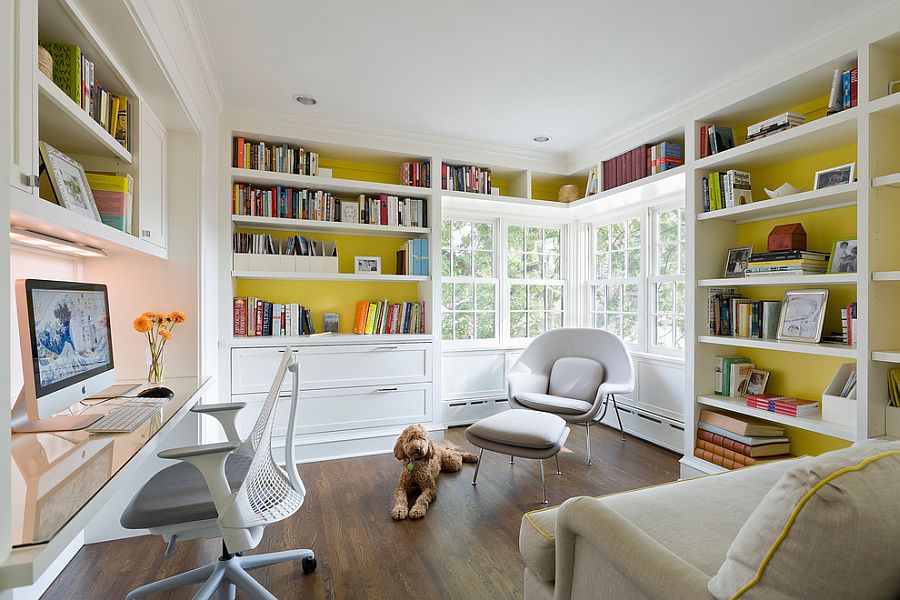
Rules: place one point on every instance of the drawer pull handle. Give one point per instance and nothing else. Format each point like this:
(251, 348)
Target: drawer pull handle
(384, 390)
(380, 348)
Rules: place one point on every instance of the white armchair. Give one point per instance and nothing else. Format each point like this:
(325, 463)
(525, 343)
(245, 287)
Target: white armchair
(574, 373)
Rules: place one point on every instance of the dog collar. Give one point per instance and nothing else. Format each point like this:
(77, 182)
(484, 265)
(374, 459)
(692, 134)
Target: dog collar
(411, 464)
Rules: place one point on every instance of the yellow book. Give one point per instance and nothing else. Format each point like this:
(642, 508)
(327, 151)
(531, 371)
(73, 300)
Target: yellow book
(110, 182)
(113, 116)
(370, 318)
(121, 122)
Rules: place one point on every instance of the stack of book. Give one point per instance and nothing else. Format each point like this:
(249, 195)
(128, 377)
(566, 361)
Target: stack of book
(416, 174)
(715, 139)
(784, 262)
(625, 168)
(388, 210)
(256, 317)
(382, 316)
(783, 405)
(664, 156)
(114, 195)
(73, 73)
(412, 259)
(782, 122)
(844, 90)
(731, 314)
(726, 189)
(466, 178)
(734, 442)
(279, 158)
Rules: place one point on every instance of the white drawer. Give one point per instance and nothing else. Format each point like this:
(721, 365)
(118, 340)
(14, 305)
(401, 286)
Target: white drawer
(252, 369)
(343, 409)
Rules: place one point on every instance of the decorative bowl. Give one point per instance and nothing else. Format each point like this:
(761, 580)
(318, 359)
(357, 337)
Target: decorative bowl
(785, 189)
(568, 193)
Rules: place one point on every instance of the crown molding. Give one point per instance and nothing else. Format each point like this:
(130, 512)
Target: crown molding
(199, 40)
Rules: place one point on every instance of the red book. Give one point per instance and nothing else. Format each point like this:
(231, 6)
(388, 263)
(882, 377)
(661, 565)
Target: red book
(240, 153)
(259, 317)
(704, 141)
(240, 316)
(854, 86)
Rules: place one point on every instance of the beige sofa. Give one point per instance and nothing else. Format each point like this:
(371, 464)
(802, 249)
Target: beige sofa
(760, 532)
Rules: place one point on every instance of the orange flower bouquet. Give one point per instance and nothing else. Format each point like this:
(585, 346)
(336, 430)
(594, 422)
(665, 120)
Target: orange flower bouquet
(158, 329)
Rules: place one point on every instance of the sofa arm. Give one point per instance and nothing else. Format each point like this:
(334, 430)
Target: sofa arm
(226, 414)
(650, 569)
(521, 383)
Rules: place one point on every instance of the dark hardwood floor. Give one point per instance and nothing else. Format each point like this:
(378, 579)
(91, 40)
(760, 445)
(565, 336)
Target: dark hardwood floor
(466, 547)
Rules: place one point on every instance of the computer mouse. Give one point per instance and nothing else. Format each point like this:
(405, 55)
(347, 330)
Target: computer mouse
(156, 392)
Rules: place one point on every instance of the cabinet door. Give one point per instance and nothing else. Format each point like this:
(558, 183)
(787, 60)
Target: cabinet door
(20, 28)
(151, 225)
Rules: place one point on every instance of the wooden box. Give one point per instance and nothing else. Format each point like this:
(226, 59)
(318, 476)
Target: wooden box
(787, 237)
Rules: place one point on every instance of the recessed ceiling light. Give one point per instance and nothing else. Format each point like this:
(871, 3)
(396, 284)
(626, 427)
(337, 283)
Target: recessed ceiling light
(541, 138)
(305, 100)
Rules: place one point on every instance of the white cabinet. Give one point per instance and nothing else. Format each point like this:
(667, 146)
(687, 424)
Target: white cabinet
(151, 197)
(20, 31)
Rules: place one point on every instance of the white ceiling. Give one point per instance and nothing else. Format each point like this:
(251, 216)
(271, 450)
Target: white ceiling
(499, 71)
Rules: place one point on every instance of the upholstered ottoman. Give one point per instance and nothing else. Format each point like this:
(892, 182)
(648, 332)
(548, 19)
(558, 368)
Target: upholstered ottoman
(523, 433)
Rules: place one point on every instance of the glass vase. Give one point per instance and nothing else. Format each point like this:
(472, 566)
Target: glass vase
(155, 374)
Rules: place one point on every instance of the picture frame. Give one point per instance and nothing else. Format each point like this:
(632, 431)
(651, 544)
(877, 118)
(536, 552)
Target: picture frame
(737, 261)
(802, 315)
(349, 212)
(843, 257)
(69, 182)
(367, 264)
(839, 175)
(756, 384)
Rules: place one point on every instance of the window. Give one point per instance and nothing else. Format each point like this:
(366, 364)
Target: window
(469, 292)
(616, 286)
(534, 274)
(667, 281)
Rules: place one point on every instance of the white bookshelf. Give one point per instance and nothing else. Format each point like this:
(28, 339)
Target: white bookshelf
(634, 192)
(328, 184)
(886, 104)
(892, 180)
(888, 356)
(809, 423)
(325, 339)
(886, 276)
(781, 280)
(795, 204)
(822, 349)
(287, 276)
(281, 224)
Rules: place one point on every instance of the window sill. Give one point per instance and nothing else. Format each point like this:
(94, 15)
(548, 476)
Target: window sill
(652, 356)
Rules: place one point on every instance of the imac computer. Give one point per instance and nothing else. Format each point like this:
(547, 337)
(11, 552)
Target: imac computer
(67, 352)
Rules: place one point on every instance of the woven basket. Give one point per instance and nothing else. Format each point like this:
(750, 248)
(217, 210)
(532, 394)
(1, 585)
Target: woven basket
(568, 193)
(45, 62)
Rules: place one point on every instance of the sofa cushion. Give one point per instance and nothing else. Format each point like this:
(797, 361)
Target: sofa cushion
(575, 377)
(522, 428)
(554, 404)
(537, 542)
(829, 528)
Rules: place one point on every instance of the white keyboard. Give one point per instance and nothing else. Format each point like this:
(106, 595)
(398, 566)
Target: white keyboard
(128, 417)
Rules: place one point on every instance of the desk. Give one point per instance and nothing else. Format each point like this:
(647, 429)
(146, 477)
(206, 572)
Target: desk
(61, 480)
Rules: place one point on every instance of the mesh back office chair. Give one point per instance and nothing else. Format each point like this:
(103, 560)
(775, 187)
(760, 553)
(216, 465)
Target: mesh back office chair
(230, 490)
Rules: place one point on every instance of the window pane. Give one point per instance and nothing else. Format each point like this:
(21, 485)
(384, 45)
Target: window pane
(533, 242)
(679, 332)
(551, 266)
(617, 236)
(600, 298)
(664, 331)
(461, 236)
(630, 329)
(600, 320)
(602, 238)
(536, 323)
(447, 326)
(554, 320)
(445, 234)
(634, 263)
(463, 326)
(630, 303)
(465, 296)
(554, 297)
(515, 266)
(617, 264)
(665, 300)
(515, 237)
(445, 263)
(484, 326)
(533, 266)
(517, 324)
(551, 241)
(679, 297)
(634, 233)
(536, 297)
(517, 297)
(683, 240)
(462, 263)
(601, 265)
(484, 296)
(614, 298)
(484, 264)
(614, 324)
(484, 236)
(447, 296)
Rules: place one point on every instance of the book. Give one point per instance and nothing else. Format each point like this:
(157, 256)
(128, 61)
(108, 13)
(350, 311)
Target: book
(720, 139)
(466, 178)
(766, 447)
(723, 372)
(740, 378)
(728, 463)
(835, 98)
(785, 405)
(240, 317)
(114, 196)
(66, 68)
(741, 426)
(416, 173)
(743, 439)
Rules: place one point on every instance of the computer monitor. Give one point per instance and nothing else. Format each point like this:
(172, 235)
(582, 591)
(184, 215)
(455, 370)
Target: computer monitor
(67, 352)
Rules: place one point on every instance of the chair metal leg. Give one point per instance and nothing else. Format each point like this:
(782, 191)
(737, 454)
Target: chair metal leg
(477, 466)
(543, 485)
(587, 429)
(264, 560)
(212, 584)
(616, 407)
(248, 585)
(512, 459)
(558, 472)
(227, 591)
(187, 578)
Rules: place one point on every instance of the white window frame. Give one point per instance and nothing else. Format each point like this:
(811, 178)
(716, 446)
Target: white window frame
(652, 278)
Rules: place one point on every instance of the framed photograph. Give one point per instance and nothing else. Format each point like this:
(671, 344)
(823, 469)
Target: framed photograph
(69, 182)
(843, 257)
(834, 176)
(802, 315)
(367, 264)
(757, 382)
(349, 212)
(738, 259)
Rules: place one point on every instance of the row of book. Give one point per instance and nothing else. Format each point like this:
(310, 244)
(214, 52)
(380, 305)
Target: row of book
(279, 158)
(386, 210)
(416, 173)
(412, 259)
(781, 262)
(74, 74)
(640, 162)
(466, 178)
(848, 334)
(257, 317)
(594, 185)
(726, 189)
(383, 316)
(734, 442)
(773, 125)
(294, 245)
(715, 139)
(730, 314)
(664, 156)
(844, 90)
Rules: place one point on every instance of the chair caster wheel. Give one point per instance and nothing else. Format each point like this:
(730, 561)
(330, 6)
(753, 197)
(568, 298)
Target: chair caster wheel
(309, 565)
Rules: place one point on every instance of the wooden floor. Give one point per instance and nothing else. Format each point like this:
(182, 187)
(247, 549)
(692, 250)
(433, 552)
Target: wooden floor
(466, 547)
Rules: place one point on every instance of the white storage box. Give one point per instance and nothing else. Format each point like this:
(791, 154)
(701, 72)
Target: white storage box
(835, 408)
(241, 262)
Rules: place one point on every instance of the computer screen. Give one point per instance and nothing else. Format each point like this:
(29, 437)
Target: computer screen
(70, 333)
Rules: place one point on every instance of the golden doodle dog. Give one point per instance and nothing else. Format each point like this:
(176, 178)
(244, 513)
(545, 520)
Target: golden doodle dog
(422, 461)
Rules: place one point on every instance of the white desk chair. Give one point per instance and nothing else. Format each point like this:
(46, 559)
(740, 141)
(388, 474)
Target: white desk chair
(230, 490)
(574, 373)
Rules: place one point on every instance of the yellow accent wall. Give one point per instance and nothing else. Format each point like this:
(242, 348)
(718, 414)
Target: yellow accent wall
(547, 187)
(800, 172)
